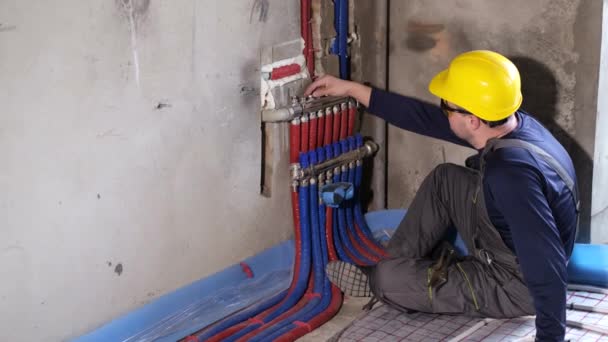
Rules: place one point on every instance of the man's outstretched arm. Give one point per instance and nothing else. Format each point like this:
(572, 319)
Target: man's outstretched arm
(404, 112)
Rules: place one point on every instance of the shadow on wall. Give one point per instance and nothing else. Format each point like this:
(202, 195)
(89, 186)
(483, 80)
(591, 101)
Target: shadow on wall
(539, 89)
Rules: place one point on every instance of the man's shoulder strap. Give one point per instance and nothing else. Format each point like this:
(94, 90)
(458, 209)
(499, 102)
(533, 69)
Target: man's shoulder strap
(495, 144)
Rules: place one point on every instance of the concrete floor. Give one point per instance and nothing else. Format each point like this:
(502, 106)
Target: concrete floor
(351, 309)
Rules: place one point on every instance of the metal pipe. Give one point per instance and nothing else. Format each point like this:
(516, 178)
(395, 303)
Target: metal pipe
(317, 103)
(587, 308)
(586, 326)
(471, 330)
(281, 114)
(368, 149)
(587, 288)
(300, 106)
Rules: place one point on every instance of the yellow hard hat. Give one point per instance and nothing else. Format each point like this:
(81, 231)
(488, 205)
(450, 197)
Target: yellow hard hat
(485, 83)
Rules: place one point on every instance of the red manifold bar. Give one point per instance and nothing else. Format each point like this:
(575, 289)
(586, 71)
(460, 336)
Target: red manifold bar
(329, 121)
(320, 127)
(305, 134)
(336, 132)
(344, 121)
(351, 118)
(285, 71)
(312, 137)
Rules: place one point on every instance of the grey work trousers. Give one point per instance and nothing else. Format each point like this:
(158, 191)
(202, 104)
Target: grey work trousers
(487, 283)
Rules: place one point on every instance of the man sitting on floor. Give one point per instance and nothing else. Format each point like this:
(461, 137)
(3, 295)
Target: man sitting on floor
(515, 204)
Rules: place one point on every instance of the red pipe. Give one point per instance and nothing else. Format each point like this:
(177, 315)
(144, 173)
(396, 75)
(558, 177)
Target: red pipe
(329, 235)
(351, 118)
(306, 31)
(336, 294)
(312, 137)
(354, 258)
(343, 121)
(362, 250)
(336, 129)
(371, 244)
(285, 71)
(294, 139)
(317, 321)
(320, 127)
(377, 252)
(305, 134)
(299, 305)
(298, 251)
(329, 121)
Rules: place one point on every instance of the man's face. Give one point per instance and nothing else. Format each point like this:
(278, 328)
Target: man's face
(460, 120)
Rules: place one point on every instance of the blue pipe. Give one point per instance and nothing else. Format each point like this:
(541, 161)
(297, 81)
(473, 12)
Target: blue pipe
(240, 317)
(342, 219)
(300, 287)
(342, 229)
(305, 261)
(326, 295)
(329, 152)
(321, 306)
(318, 269)
(338, 244)
(320, 154)
(357, 207)
(322, 223)
(350, 217)
(355, 177)
(341, 23)
(337, 150)
(352, 142)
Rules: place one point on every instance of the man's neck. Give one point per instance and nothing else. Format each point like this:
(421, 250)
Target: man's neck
(497, 132)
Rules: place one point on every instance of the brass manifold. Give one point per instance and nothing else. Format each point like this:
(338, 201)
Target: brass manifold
(298, 173)
(303, 105)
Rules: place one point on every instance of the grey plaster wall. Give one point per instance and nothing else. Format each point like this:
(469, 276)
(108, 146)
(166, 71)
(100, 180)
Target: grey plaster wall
(555, 44)
(130, 148)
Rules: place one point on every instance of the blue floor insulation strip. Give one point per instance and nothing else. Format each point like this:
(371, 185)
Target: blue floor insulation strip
(276, 262)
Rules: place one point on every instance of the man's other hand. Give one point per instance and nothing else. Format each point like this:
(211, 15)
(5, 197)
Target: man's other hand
(328, 85)
(331, 86)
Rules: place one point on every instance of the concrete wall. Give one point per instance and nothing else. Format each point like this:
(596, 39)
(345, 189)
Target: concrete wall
(369, 65)
(599, 211)
(130, 148)
(555, 44)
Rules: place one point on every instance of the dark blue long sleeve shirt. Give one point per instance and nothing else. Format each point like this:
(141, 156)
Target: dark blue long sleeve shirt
(527, 202)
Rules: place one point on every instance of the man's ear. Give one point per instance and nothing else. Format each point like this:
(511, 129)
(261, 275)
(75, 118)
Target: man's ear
(474, 122)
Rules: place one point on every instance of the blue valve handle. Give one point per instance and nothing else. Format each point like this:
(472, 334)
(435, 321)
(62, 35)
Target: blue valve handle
(334, 194)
